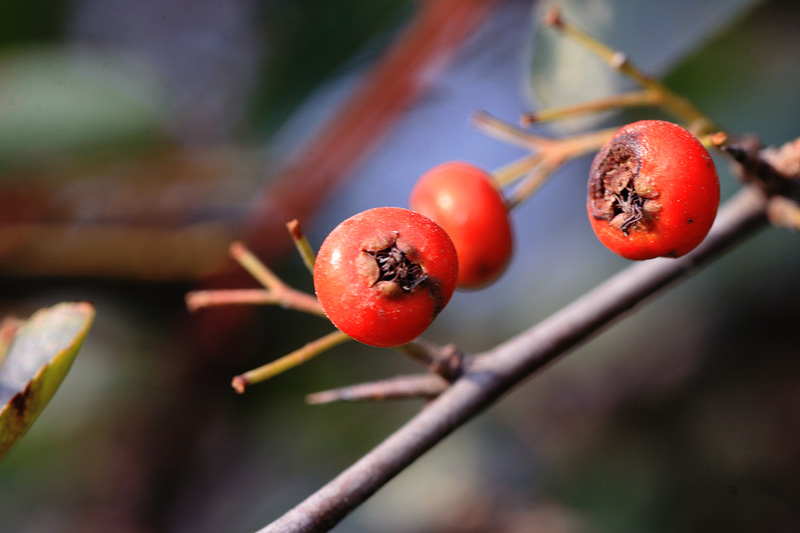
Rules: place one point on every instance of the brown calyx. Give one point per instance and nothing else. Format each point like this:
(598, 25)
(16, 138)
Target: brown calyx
(618, 191)
(391, 267)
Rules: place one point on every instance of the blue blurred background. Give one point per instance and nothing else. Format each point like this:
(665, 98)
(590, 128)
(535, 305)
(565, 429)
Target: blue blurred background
(138, 139)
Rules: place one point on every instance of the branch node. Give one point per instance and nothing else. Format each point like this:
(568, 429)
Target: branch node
(756, 169)
(450, 363)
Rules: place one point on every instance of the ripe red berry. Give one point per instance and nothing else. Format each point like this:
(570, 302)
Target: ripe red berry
(653, 191)
(463, 199)
(383, 275)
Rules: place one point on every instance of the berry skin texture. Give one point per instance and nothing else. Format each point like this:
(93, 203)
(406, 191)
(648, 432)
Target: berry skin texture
(653, 191)
(383, 275)
(463, 199)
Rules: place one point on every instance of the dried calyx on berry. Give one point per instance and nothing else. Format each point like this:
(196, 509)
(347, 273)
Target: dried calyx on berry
(391, 265)
(618, 192)
(653, 191)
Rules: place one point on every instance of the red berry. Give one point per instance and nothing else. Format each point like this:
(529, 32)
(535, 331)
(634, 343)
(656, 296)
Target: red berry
(383, 275)
(463, 199)
(653, 191)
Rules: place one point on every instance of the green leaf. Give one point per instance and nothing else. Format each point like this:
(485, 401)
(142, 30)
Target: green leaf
(36, 361)
(57, 102)
(654, 34)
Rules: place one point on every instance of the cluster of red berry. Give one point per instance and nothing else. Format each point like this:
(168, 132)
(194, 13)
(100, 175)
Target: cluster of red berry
(383, 275)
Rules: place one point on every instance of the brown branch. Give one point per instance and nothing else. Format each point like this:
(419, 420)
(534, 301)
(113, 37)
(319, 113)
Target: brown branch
(489, 375)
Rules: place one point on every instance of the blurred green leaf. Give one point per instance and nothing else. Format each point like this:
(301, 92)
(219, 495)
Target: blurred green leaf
(654, 34)
(59, 101)
(37, 359)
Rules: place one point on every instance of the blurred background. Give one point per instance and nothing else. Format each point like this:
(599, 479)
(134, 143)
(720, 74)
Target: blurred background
(138, 139)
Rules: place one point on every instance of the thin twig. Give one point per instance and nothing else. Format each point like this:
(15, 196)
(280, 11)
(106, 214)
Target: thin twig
(699, 123)
(288, 361)
(254, 266)
(513, 171)
(491, 374)
(302, 244)
(509, 133)
(533, 170)
(398, 387)
(288, 298)
(533, 181)
(615, 101)
(275, 291)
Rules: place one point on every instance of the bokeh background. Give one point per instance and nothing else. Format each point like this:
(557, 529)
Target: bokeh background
(138, 139)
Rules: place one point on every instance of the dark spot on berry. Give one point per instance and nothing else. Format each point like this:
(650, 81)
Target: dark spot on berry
(436, 293)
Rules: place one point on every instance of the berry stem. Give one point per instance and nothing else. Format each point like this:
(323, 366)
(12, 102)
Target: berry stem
(509, 133)
(302, 244)
(513, 171)
(288, 361)
(285, 297)
(584, 144)
(283, 294)
(543, 147)
(254, 266)
(616, 101)
(276, 292)
(532, 182)
(548, 154)
(698, 122)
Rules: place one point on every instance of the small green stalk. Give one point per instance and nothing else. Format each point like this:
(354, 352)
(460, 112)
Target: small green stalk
(291, 360)
(302, 245)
